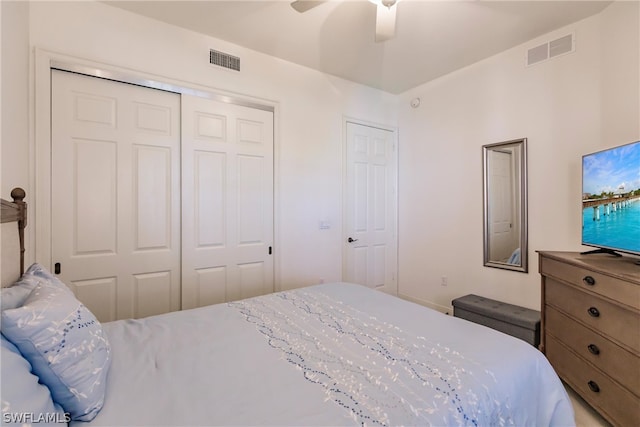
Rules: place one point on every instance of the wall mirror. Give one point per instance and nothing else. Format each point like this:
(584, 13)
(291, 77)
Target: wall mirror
(505, 205)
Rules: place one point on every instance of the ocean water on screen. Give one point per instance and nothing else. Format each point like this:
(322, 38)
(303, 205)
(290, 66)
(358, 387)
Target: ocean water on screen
(617, 230)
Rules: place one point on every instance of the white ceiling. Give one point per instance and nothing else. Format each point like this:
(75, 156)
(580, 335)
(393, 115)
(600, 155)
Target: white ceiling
(432, 39)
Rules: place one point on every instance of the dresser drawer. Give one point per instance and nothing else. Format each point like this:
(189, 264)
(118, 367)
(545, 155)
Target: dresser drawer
(610, 287)
(620, 324)
(616, 403)
(621, 365)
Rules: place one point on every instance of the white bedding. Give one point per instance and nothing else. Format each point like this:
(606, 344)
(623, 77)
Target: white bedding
(334, 354)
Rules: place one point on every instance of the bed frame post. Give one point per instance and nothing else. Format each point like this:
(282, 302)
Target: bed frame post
(18, 195)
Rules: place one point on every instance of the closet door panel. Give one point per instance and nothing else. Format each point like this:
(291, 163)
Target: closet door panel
(152, 198)
(115, 188)
(227, 201)
(210, 199)
(94, 210)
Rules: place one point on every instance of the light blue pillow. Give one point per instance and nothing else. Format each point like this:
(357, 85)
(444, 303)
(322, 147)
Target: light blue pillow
(38, 271)
(15, 295)
(24, 399)
(65, 345)
(515, 257)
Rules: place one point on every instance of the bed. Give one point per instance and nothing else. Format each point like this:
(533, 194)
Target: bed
(331, 354)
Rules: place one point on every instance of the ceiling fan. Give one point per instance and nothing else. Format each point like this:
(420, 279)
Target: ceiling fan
(385, 15)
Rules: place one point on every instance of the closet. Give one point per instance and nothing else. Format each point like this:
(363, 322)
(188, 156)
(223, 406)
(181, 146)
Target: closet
(159, 200)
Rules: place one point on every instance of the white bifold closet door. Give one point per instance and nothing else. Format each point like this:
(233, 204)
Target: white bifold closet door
(160, 201)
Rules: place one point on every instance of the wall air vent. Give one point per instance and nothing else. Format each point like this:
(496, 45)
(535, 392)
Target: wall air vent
(561, 46)
(538, 54)
(224, 60)
(552, 49)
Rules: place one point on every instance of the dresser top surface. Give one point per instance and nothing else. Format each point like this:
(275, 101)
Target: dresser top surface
(624, 267)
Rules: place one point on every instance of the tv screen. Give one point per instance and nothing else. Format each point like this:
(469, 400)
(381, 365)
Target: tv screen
(611, 199)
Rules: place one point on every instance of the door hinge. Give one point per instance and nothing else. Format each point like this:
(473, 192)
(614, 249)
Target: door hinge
(270, 251)
(57, 268)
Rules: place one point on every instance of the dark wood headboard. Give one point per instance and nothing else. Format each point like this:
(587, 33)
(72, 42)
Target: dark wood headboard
(16, 211)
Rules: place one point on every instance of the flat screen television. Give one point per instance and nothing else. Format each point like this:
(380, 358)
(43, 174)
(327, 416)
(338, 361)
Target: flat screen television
(611, 200)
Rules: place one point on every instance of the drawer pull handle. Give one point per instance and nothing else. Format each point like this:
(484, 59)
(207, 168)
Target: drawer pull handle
(593, 312)
(593, 349)
(593, 386)
(588, 280)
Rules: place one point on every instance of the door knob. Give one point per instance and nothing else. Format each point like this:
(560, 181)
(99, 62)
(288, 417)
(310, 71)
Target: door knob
(351, 240)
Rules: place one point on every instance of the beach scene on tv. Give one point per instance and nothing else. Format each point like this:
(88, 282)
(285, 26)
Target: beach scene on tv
(611, 198)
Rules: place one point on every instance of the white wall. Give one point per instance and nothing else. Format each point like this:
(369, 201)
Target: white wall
(311, 106)
(566, 107)
(15, 94)
(571, 105)
(14, 119)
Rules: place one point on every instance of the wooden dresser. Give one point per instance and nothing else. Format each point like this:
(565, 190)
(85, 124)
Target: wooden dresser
(590, 324)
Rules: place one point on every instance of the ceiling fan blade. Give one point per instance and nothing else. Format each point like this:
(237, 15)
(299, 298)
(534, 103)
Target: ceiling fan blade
(385, 22)
(304, 5)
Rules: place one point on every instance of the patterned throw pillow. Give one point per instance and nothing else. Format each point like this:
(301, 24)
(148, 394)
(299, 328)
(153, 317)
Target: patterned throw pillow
(65, 345)
(15, 295)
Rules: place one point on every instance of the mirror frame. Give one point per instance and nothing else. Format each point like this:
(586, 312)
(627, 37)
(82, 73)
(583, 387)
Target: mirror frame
(522, 186)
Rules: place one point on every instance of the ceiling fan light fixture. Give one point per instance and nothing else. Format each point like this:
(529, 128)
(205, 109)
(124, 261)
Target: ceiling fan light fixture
(385, 3)
(385, 15)
(385, 22)
(304, 5)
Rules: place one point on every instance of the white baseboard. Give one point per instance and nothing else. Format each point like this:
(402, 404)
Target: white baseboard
(441, 308)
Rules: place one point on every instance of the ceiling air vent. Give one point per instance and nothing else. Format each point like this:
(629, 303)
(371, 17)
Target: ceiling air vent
(224, 60)
(550, 49)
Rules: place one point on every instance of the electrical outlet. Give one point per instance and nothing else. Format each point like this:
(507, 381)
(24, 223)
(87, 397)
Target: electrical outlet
(444, 281)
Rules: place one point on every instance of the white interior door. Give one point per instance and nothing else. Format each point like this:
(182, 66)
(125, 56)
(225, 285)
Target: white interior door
(227, 201)
(371, 207)
(502, 232)
(115, 195)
